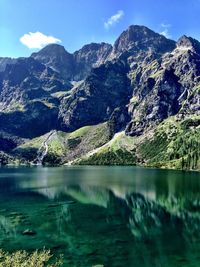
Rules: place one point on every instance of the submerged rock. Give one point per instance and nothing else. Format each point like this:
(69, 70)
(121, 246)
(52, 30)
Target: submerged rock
(29, 232)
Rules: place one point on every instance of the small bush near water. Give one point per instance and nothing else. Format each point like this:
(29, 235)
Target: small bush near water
(25, 259)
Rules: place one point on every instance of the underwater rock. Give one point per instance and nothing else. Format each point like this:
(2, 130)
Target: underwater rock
(29, 232)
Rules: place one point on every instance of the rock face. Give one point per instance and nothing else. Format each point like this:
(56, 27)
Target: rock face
(27, 80)
(56, 57)
(75, 66)
(188, 43)
(134, 85)
(143, 40)
(4, 61)
(89, 56)
(157, 101)
(94, 100)
(166, 87)
(36, 119)
(27, 107)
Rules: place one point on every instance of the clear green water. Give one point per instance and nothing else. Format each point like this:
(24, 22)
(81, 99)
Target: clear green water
(114, 216)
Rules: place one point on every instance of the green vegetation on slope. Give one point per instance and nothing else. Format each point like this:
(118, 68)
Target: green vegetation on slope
(119, 151)
(25, 259)
(110, 157)
(64, 147)
(29, 149)
(175, 144)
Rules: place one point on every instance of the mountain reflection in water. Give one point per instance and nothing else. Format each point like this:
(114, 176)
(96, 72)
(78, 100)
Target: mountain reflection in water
(114, 216)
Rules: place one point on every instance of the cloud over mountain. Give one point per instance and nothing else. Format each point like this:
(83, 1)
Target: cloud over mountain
(38, 40)
(114, 19)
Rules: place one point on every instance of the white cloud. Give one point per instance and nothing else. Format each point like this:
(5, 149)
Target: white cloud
(37, 40)
(114, 19)
(165, 25)
(165, 30)
(166, 33)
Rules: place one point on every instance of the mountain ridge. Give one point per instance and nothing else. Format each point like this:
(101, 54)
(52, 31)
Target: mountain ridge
(135, 85)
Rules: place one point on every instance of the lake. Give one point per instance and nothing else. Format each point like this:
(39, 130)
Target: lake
(110, 216)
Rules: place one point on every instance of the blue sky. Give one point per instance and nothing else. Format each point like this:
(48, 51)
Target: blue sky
(27, 25)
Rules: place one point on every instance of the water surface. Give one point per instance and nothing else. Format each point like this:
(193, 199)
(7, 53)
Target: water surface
(114, 216)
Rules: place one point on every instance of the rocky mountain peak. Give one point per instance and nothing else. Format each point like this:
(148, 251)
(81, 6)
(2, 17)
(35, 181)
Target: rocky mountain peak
(140, 38)
(90, 55)
(93, 47)
(51, 50)
(74, 66)
(136, 33)
(56, 57)
(135, 75)
(186, 42)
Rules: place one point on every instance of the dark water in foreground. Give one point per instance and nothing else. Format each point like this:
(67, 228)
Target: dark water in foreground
(114, 216)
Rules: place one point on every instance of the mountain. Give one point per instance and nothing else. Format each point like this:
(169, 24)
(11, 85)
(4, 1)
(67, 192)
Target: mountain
(90, 56)
(167, 87)
(56, 57)
(76, 66)
(95, 99)
(136, 102)
(139, 39)
(27, 104)
(5, 61)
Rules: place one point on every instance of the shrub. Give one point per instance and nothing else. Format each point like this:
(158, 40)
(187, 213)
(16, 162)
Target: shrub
(25, 259)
